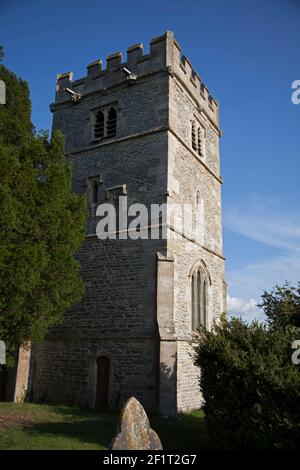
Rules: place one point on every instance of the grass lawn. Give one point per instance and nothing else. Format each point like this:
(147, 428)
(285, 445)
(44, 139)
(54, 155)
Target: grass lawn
(31, 426)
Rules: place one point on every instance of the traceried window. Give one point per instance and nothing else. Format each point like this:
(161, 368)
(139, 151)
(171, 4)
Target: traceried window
(105, 123)
(199, 284)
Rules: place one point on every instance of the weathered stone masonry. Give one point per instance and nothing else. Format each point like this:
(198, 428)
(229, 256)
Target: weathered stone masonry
(137, 306)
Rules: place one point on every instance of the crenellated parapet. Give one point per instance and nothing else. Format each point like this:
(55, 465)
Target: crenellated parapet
(165, 55)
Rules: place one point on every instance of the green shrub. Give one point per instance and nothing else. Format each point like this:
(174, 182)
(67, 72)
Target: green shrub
(250, 385)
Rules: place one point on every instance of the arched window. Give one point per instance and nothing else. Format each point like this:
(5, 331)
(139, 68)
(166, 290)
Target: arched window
(99, 125)
(111, 125)
(194, 145)
(199, 298)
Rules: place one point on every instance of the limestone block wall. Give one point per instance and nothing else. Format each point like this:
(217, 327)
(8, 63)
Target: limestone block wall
(120, 287)
(190, 183)
(188, 391)
(193, 179)
(183, 110)
(65, 371)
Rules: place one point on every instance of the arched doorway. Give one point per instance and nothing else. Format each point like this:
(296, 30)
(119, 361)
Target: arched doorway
(103, 371)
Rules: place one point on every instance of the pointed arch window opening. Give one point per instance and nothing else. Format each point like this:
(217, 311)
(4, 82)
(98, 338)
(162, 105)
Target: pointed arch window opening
(199, 299)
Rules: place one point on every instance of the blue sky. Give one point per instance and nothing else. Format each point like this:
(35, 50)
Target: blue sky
(248, 53)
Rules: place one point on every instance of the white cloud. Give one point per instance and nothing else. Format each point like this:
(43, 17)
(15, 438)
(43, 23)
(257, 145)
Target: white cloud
(245, 308)
(241, 305)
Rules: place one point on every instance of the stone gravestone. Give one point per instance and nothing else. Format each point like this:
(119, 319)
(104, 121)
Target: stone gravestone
(135, 432)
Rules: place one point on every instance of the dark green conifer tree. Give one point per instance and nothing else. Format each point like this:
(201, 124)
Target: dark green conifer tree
(42, 224)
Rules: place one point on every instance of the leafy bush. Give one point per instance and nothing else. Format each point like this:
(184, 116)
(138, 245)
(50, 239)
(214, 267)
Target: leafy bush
(250, 385)
(282, 305)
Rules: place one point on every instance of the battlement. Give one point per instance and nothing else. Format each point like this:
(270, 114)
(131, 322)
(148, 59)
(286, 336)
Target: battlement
(165, 55)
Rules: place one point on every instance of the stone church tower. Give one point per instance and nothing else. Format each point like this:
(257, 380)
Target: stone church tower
(149, 131)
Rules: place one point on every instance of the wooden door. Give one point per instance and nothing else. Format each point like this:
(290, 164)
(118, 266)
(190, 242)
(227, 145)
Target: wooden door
(103, 367)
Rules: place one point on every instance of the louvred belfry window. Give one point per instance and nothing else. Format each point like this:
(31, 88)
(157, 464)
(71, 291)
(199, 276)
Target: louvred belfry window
(198, 135)
(194, 145)
(200, 141)
(105, 123)
(99, 125)
(111, 123)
